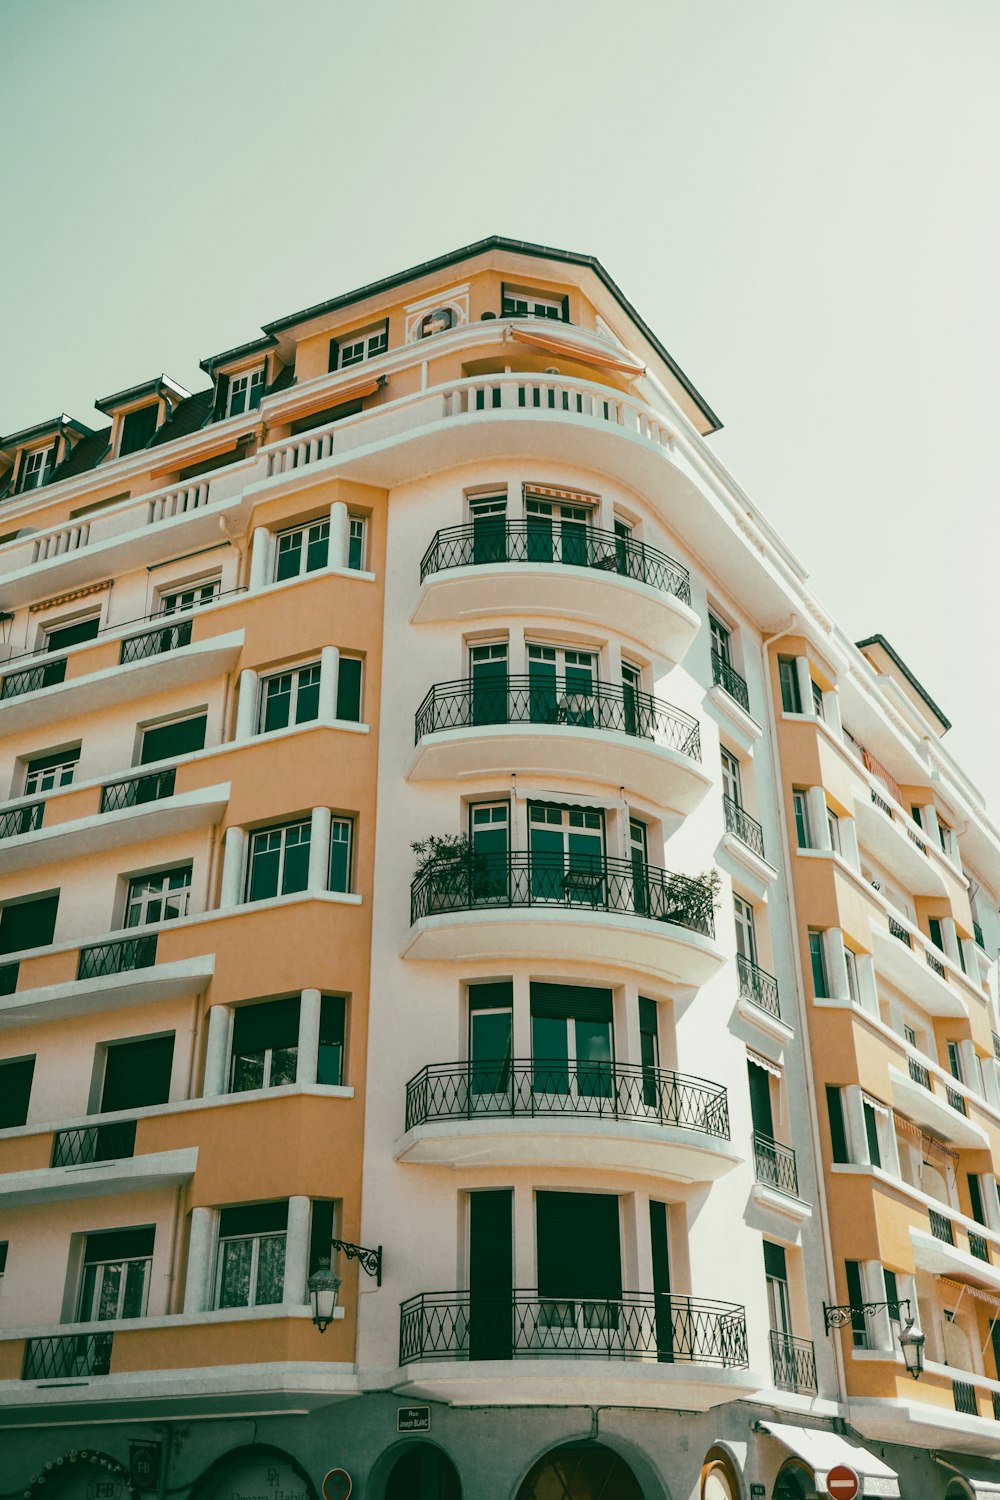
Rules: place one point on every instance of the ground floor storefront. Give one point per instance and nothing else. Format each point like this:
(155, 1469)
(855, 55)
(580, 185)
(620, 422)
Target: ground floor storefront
(374, 1447)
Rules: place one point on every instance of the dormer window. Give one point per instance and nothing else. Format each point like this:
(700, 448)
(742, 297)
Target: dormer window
(245, 392)
(137, 428)
(519, 302)
(364, 343)
(36, 468)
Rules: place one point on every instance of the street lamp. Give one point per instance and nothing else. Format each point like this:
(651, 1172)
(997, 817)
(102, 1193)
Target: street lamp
(323, 1289)
(911, 1341)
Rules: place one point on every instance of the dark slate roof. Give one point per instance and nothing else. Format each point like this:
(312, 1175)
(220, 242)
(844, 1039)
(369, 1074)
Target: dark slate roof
(255, 346)
(283, 381)
(188, 416)
(85, 456)
(915, 683)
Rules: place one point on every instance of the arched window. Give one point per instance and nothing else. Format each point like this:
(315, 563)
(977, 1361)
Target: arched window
(578, 1471)
(437, 321)
(425, 1471)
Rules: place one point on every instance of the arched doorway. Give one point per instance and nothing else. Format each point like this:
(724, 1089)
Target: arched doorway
(794, 1483)
(423, 1472)
(717, 1485)
(257, 1469)
(580, 1471)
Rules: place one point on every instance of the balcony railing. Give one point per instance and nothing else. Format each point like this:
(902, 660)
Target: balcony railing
(487, 542)
(740, 824)
(528, 1325)
(979, 1246)
(31, 679)
(8, 978)
(21, 820)
(472, 882)
(955, 1099)
(725, 676)
(610, 1091)
(775, 1164)
(897, 930)
(758, 986)
(156, 642)
(526, 700)
(880, 802)
(996, 1046)
(964, 1396)
(793, 1362)
(919, 1073)
(66, 1356)
(111, 1142)
(977, 933)
(941, 1228)
(150, 787)
(117, 957)
(935, 964)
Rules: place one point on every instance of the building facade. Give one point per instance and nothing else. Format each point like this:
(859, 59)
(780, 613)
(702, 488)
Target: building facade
(445, 837)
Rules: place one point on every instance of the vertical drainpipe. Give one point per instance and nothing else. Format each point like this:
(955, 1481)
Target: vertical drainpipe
(821, 1203)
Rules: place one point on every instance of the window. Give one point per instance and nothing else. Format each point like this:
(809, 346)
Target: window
(817, 699)
(851, 964)
(189, 595)
(871, 1134)
(855, 1298)
(279, 861)
(46, 772)
(490, 1040)
(817, 959)
(357, 528)
(265, 1045)
(178, 737)
(36, 469)
(891, 1294)
(251, 1263)
(731, 777)
(776, 1272)
(561, 685)
(746, 938)
(721, 640)
(245, 392)
(438, 321)
(955, 1061)
(517, 303)
(137, 429)
(944, 833)
(289, 698)
(304, 549)
(58, 637)
(572, 1041)
(800, 807)
(976, 1198)
(557, 533)
(362, 344)
(349, 690)
(15, 1091)
(4, 1247)
(321, 1231)
(649, 1050)
(28, 924)
(162, 897)
(566, 847)
(788, 677)
(115, 1280)
(332, 1025)
(910, 1035)
(838, 1130)
(934, 929)
(833, 828)
(341, 849)
(137, 1073)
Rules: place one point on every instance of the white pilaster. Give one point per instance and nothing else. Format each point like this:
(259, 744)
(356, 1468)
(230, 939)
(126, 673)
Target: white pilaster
(246, 710)
(628, 1027)
(197, 1286)
(819, 830)
(319, 849)
(836, 964)
(261, 553)
(805, 683)
(854, 1118)
(868, 985)
(525, 1254)
(521, 1020)
(297, 1252)
(831, 708)
(849, 843)
(232, 866)
(340, 535)
(310, 1003)
(329, 674)
(217, 1051)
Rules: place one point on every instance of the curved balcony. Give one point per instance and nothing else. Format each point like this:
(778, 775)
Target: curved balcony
(608, 1115)
(581, 573)
(544, 905)
(668, 1349)
(605, 733)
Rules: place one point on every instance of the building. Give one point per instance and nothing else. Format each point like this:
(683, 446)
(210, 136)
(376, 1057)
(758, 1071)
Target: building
(599, 1096)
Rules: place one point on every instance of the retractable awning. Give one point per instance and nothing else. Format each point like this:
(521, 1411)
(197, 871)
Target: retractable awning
(821, 1451)
(321, 400)
(624, 363)
(982, 1475)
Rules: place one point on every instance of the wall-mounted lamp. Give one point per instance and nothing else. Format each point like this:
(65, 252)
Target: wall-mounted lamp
(911, 1338)
(324, 1285)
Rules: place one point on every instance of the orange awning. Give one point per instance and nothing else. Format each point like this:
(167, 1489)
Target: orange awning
(320, 400)
(625, 364)
(198, 455)
(981, 1295)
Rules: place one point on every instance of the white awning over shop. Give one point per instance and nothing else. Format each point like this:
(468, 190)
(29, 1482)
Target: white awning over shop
(823, 1450)
(982, 1475)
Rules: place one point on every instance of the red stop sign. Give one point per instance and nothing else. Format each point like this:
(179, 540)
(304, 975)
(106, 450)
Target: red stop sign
(842, 1483)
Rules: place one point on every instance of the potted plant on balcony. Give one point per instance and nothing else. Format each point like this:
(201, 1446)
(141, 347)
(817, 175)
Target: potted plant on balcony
(691, 900)
(443, 863)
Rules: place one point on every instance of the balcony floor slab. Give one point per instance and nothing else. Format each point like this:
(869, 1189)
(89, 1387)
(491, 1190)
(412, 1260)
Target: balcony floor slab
(133, 1174)
(590, 1382)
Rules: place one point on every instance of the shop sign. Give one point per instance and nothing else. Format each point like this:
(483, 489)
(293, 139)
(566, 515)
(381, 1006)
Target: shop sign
(757, 1492)
(144, 1463)
(413, 1419)
(258, 1479)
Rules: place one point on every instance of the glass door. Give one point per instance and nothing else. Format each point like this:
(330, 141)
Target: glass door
(572, 1044)
(489, 825)
(489, 529)
(558, 533)
(634, 715)
(639, 855)
(561, 685)
(746, 938)
(488, 672)
(623, 536)
(567, 853)
(490, 1044)
(731, 778)
(579, 1270)
(721, 637)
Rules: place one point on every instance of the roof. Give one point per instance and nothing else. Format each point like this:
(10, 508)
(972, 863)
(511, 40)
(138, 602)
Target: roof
(186, 418)
(42, 429)
(85, 456)
(915, 684)
(158, 385)
(481, 247)
(241, 351)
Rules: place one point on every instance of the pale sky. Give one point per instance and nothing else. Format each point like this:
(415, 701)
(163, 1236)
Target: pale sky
(800, 196)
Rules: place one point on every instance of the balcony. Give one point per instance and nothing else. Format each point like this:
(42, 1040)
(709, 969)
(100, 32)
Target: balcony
(149, 787)
(585, 573)
(27, 818)
(109, 976)
(757, 987)
(156, 642)
(95, 1161)
(725, 676)
(8, 978)
(775, 1164)
(68, 1357)
(612, 1115)
(90, 1143)
(901, 955)
(793, 1363)
(884, 831)
(949, 1247)
(926, 1103)
(544, 905)
(671, 1350)
(32, 679)
(119, 956)
(606, 733)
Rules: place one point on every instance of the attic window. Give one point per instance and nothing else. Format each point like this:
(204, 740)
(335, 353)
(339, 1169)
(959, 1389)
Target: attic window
(245, 392)
(36, 468)
(137, 429)
(362, 344)
(518, 302)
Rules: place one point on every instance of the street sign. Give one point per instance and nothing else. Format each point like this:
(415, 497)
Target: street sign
(842, 1483)
(756, 1492)
(337, 1485)
(413, 1419)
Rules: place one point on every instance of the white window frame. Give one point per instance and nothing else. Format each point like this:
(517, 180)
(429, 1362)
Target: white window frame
(362, 344)
(853, 978)
(282, 830)
(295, 674)
(800, 804)
(833, 828)
(342, 832)
(176, 598)
(743, 917)
(357, 531)
(244, 383)
(50, 777)
(232, 1239)
(303, 531)
(535, 305)
(35, 471)
(732, 784)
(101, 1266)
(177, 897)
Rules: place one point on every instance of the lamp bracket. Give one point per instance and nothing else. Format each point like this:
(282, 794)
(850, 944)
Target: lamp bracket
(837, 1317)
(369, 1260)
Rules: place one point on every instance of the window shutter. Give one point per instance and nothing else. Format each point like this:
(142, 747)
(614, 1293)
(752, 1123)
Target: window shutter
(647, 1016)
(334, 355)
(18, 466)
(570, 1002)
(255, 1218)
(221, 397)
(273, 1024)
(119, 1244)
(579, 1249)
(497, 994)
(28, 924)
(774, 1261)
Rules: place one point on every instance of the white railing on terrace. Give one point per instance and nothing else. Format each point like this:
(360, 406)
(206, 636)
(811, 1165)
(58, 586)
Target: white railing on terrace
(54, 543)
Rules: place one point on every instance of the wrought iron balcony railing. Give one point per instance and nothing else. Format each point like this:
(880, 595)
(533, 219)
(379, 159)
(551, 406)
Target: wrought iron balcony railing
(793, 1362)
(977, 933)
(111, 1142)
(996, 1046)
(725, 676)
(31, 679)
(758, 986)
(530, 1325)
(156, 642)
(488, 542)
(21, 820)
(149, 787)
(65, 1356)
(471, 882)
(8, 978)
(941, 1227)
(919, 1073)
(740, 824)
(881, 803)
(979, 1246)
(612, 1091)
(897, 930)
(465, 703)
(964, 1396)
(775, 1164)
(935, 964)
(955, 1099)
(117, 956)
